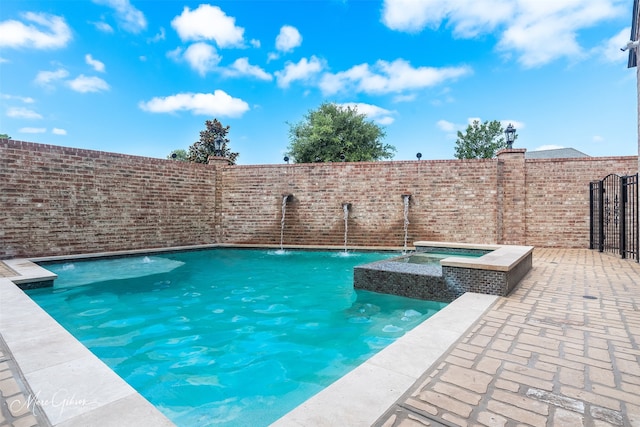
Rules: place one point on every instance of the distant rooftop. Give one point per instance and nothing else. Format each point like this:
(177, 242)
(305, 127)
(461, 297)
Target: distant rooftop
(558, 153)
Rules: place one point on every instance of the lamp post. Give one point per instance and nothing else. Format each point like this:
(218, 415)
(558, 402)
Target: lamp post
(217, 146)
(286, 159)
(510, 133)
(419, 156)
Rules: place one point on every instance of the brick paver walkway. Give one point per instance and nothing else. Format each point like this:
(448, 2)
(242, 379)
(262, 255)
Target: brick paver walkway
(18, 404)
(561, 350)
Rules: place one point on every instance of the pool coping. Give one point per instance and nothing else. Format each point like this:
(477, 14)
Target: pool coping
(69, 383)
(56, 365)
(501, 258)
(363, 395)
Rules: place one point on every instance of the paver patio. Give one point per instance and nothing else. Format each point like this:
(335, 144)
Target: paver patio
(560, 350)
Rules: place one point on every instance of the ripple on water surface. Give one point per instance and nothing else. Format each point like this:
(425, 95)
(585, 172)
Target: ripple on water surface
(229, 337)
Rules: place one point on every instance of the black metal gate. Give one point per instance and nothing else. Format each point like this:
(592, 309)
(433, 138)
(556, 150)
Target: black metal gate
(614, 215)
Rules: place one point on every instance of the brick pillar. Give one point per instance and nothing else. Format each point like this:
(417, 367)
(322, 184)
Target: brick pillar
(219, 164)
(511, 219)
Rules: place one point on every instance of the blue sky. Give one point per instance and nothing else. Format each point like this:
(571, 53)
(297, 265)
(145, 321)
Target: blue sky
(141, 77)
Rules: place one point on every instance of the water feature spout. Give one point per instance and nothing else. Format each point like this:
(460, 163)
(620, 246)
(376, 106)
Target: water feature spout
(405, 198)
(345, 209)
(285, 199)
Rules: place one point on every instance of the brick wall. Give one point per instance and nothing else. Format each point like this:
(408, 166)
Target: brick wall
(557, 195)
(450, 200)
(511, 185)
(58, 200)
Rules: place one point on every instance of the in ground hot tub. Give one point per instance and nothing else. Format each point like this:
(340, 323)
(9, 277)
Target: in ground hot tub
(442, 271)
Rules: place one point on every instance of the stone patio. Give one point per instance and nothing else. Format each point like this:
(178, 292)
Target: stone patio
(561, 350)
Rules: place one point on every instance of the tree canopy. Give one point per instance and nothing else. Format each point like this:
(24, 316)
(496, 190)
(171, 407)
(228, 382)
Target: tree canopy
(179, 154)
(333, 133)
(200, 151)
(481, 140)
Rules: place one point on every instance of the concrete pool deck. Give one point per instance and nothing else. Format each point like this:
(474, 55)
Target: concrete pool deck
(562, 349)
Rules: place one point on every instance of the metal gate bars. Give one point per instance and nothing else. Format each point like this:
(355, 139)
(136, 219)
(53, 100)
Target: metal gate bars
(614, 215)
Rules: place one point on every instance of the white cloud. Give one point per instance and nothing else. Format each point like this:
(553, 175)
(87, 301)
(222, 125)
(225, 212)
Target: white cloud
(58, 131)
(202, 57)
(373, 112)
(272, 56)
(103, 27)
(412, 15)
(444, 97)
(97, 65)
(288, 39)
(387, 120)
(208, 23)
(25, 99)
(255, 43)
(241, 67)
(303, 70)
(467, 18)
(32, 130)
(175, 54)
(446, 126)
(609, 50)
(158, 37)
(538, 31)
(540, 42)
(22, 113)
(218, 103)
(84, 84)
(44, 32)
(388, 77)
(597, 138)
(404, 98)
(46, 78)
(129, 18)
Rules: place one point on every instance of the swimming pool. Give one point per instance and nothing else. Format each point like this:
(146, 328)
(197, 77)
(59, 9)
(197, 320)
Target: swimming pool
(228, 337)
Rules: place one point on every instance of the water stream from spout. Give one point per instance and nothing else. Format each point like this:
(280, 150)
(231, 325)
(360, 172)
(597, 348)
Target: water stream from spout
(406, 221)
(345, 208)
(284, 212)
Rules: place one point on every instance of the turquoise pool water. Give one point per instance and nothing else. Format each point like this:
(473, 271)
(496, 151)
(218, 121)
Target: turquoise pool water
(228, 337)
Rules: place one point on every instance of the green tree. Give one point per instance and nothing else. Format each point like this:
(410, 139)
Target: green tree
(481, 140)
(4, 136)
(333, 133)
(179, 154)
(200, 151)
